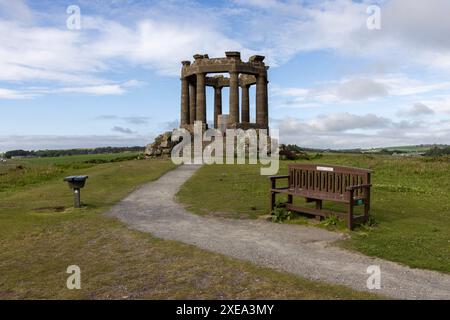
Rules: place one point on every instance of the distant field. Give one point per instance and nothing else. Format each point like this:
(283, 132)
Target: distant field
(26, 171)
(404, 148)
(74, 159)
(41, 235)
(410, 203)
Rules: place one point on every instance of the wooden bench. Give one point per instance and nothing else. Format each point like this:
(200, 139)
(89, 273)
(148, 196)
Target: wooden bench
(317, 183)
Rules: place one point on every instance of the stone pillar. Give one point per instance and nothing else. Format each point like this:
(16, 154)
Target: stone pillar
(201, 98)
(192, 102)
(234, 97)
(266, 104)
(217, 105)
(184, 101)
(245, 104)
(261, 101)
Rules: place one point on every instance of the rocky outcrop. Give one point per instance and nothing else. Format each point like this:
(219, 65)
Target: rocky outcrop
(161, 147)
(289, 153)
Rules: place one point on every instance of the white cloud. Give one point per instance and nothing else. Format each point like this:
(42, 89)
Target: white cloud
(358, 88)
(13, 94)
(122, 130)
(45, 54)
(38, 58)
(279, 29)
(440, 104)
(260, 3)
(159, 44)
(359, 131)
(79, 61)
(346, 121)
(345, 90)
(401, 85)
(134, 120)
(422, 27)
(418, 109)
(137, 120)
(412, 32)
(334, 123)
(105, 89)
(111, 89)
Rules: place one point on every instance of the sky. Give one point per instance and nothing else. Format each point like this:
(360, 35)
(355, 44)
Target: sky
(114, 81)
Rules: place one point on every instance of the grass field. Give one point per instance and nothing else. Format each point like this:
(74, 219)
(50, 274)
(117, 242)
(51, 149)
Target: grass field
(41, 235)
(422, 148)
(410, 203)
(27, 171)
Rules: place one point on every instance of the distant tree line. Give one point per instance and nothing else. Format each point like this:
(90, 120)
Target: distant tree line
(70, 152)
(434, 151)
(438, 152)
(296, 148)
(390, 152)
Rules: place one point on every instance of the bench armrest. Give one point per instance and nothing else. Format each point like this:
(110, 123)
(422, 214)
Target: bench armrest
(359, 186)
(278, 177)
(273, 180)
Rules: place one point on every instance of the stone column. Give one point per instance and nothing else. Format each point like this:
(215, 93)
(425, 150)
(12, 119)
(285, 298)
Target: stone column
(261, 101)
(184, 101)
(266, 104)
(217, 105)
(234, 97)
(192, 102)
(245, 104)
(201, 98)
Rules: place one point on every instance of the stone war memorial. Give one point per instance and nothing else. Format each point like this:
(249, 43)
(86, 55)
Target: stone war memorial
(195, 78)
(205, 72)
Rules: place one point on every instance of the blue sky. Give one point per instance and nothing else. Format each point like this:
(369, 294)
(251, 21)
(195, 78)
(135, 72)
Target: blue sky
(333, 82)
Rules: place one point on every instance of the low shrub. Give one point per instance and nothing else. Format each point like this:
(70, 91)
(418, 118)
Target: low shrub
(280, 214)
(330, 221)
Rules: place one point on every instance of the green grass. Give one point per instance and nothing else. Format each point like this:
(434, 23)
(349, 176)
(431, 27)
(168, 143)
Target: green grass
(27, 171)
(41, 235)
(410, 203)
(73, 159)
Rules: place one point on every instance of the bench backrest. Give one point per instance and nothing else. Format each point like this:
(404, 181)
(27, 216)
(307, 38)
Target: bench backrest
(327, 180)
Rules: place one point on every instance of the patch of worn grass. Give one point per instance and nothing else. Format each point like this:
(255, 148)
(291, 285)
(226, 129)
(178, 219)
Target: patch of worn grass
(410, 203)
(41, 235)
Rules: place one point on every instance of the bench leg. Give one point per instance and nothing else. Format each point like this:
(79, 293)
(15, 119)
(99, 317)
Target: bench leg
(272, 195)
(318, 207)
(272, 201)
(290, 198)
(350, 211)
(367, 205)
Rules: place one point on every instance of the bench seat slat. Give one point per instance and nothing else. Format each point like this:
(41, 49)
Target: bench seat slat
(322, 212)
(316, 212)
(317, 194)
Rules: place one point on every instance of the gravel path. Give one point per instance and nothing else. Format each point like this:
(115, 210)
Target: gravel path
(301, 250)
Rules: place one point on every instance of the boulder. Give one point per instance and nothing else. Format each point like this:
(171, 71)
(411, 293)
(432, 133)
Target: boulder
(161, 147)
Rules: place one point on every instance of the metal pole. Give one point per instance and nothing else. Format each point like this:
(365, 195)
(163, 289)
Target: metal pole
(76, 198)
